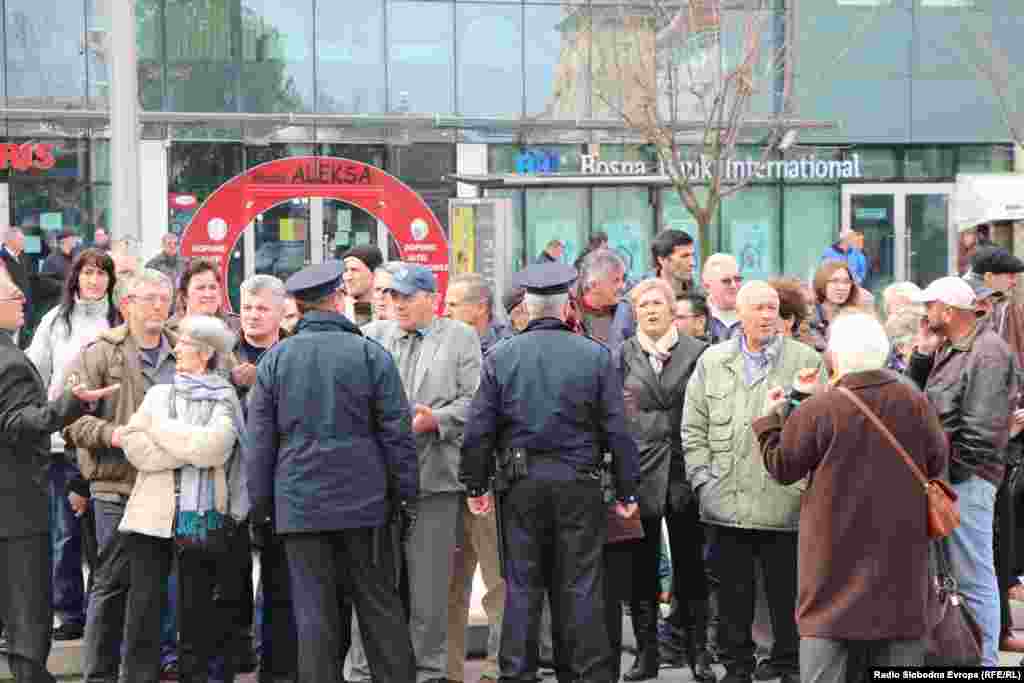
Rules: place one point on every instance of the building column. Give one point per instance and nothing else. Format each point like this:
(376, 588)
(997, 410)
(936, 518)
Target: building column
(471, 159)
(124, 121)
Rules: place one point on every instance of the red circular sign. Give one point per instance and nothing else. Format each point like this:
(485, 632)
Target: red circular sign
(214, 230)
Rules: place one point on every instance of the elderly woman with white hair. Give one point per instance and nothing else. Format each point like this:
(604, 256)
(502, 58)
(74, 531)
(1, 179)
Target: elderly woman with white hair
(184, 440)
(863, 529)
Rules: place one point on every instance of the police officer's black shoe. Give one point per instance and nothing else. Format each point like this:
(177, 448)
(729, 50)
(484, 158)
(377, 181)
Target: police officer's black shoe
(701, 667)
(645, 666)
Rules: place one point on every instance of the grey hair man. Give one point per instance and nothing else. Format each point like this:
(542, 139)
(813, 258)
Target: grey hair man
(381, 283)
(899, 296)
(28, 421)
(261, 315)
(470, 299)
(18, 269)
(603, 315)
(749, 519)
(722, 280)
(138, 355)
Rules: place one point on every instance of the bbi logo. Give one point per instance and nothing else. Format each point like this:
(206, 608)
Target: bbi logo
(538, 161)
(24, 157)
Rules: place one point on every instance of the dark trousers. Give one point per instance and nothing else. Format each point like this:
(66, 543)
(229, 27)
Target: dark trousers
(279, 654)
(689, 573)
(105, 617)
(643, 598)
(149, 561)
(618, 580)
(66, 539)
(25, 605)
(1004, 533)
(736, 551)
(213, 609)
(359, 563)
(555, 526)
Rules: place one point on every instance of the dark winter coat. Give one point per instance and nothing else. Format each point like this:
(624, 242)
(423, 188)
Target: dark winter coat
(654, 412)
(330, 443)
(863, 530)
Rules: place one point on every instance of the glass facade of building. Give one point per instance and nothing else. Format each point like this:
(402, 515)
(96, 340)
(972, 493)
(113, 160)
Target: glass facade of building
(898, 79)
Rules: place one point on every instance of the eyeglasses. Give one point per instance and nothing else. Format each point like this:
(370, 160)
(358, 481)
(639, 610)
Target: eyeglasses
(152, 299)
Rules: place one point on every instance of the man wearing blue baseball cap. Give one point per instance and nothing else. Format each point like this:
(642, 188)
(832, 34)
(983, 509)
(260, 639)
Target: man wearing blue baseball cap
(439, 361)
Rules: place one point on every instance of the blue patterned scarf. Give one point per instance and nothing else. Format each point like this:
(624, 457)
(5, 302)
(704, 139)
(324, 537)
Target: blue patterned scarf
(196, 500)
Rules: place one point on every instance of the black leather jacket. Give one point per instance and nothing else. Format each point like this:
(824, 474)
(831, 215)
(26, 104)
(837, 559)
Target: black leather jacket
(972, 385)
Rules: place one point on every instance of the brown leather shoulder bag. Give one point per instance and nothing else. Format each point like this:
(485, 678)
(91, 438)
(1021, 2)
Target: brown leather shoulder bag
(943, 509)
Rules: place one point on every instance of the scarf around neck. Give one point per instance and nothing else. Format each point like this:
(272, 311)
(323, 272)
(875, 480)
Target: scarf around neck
(658, 352)
(197, 494)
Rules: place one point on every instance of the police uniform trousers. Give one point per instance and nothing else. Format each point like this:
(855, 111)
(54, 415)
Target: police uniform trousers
(26, 606)
(555, 525)
(359, 563)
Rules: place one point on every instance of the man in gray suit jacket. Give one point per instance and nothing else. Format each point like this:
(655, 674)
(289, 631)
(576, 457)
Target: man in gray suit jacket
(439, 360)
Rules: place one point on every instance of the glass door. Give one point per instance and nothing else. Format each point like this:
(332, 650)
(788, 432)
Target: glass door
(907, 231)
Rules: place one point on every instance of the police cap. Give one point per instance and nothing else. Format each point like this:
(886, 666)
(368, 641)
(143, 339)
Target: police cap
(547, 278)
(995, 260)
(316, 282)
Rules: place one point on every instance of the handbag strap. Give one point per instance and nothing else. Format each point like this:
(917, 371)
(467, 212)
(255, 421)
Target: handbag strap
(887, 434)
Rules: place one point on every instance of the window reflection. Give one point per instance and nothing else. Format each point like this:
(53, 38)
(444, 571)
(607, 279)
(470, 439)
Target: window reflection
(420, 57)
(277, 55)
(490, 59)
(45, 66)
(557, 61)
(350, 67)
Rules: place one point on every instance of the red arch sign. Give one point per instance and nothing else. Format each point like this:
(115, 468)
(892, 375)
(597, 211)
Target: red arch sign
(217, 226)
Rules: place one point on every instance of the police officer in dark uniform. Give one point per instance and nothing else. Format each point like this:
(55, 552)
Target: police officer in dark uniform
(551, 402)
(330, 448)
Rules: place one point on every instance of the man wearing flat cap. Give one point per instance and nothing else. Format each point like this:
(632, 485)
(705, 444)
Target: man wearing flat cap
(969, 375)
(332, 454)
(551, 401)
(360, 263)
(997, 269)
(439, 361)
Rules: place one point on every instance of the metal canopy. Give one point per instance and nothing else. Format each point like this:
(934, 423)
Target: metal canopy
(514, 180)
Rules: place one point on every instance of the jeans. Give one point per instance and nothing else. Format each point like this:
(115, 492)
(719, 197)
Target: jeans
(66, 541)
(970, 551)
(838, 661)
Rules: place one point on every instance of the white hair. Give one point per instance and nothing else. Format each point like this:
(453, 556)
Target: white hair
(545, 305)
(906, 290)
(209, 332)
(858, 343)
(257, 284)
(750, 288)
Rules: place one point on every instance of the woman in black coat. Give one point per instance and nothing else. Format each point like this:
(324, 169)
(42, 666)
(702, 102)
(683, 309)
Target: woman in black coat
(656, 365)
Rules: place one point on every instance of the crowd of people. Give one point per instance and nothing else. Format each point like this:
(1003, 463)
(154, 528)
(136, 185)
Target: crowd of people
(574, 439)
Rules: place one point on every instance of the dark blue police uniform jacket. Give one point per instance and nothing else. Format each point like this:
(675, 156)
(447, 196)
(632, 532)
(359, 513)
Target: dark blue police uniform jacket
(329, 430)
(550, 391)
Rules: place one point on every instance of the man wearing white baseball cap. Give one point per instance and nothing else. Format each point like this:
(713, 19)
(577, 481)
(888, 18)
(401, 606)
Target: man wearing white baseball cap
(970, 380)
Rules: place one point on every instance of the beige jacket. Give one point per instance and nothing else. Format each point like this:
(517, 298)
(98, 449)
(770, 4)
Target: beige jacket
(157, 445)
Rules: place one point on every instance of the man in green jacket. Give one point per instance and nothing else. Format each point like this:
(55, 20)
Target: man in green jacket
(749, 516)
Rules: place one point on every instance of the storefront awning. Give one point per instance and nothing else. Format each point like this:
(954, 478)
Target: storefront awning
(982, 198)
(516, 180)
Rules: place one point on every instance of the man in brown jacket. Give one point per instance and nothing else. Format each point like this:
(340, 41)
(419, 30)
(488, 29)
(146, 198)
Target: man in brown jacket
(136, 355)
(863, 532)
(971, 380)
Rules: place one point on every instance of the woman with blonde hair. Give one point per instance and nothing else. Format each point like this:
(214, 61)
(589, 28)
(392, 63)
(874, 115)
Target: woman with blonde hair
(656, 365)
